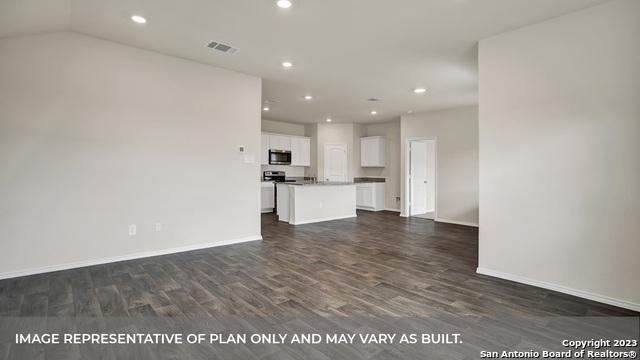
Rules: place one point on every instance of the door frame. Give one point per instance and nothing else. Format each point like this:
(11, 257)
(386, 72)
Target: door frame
(324, 159)
(406, 210)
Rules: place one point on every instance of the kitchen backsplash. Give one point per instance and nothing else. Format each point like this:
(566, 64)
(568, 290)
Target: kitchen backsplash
(291, 171)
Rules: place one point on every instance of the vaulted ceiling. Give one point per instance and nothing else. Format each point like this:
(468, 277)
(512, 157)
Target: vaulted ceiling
(343, 52)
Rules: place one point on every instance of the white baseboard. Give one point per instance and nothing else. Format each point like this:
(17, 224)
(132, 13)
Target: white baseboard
(323, 220)
(367, 208)
(140, 255)
(559, 288)
(394, 210)
(465, 223)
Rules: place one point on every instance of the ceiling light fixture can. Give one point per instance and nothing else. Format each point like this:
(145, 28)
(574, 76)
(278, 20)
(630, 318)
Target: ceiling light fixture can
(286, 64)
(266, 108)
(374, 112)
(329, 120)
(308, 97)
(138, 19)
(284, 4)
(419, 90)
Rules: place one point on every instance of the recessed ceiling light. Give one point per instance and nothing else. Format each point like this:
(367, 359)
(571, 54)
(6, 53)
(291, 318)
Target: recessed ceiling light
(138, 19)
(285, 4)
(374, 112)
(308, 97)
(287, 64)
(329, 120)
(419, 90)
(266, 108)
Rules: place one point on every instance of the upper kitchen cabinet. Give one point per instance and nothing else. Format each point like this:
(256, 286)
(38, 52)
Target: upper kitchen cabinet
(372, 151)
(299, 146)
(264, 152)
(300, 151)
(279, 142)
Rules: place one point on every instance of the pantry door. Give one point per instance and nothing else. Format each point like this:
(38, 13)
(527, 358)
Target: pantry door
(335, 162)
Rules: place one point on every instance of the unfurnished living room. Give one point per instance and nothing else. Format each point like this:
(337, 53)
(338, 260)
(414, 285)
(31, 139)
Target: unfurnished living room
(319, 179)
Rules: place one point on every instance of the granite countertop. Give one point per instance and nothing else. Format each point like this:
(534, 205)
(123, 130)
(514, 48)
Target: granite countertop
(308, 181)
(369, 180)
(323, 183)
(292, 180)
(300, 178)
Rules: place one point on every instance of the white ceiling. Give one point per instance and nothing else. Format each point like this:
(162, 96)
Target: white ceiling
(343, 51)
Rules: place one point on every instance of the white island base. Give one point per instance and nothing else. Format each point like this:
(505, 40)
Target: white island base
(310, 203)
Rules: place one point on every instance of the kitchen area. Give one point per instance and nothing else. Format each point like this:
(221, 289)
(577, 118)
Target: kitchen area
(292, 189)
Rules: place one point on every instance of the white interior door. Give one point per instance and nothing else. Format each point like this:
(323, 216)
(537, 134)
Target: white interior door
(422, 175)
(418, 176)
(335, 162)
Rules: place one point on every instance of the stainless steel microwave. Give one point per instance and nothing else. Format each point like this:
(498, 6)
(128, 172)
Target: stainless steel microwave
(279, 157)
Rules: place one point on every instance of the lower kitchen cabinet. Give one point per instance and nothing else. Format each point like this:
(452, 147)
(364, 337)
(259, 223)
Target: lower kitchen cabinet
(267, 190)
(370, 196)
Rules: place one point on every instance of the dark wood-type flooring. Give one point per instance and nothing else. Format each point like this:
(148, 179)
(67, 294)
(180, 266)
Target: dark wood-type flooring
(376, 264)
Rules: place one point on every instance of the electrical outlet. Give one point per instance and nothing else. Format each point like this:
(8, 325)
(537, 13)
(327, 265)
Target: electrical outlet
(132, 229)
(158, 227)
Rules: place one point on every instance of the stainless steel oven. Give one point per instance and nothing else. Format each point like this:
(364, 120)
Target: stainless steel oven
(276, 177)
(279, 157)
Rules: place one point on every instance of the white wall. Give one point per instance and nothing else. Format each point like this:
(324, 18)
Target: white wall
(431, 174)
(358, 132)
(391, 172)
(311, 130)
(456, 131)
(281, 127)
(95, 136)
(559, 147)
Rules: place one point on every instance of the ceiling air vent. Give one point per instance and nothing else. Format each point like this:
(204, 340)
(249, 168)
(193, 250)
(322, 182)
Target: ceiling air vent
(222, 47)
(373, 99)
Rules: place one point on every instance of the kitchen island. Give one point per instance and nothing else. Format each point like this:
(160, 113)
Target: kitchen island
(304, 203)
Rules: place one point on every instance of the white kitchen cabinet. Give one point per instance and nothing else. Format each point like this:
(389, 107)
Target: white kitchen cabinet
(370, 196)
(299, 146)
(372, 151)
(300, 151)
(282, 208)
(267, 190)
(279, 142)
(363, 196)
(264, 149)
